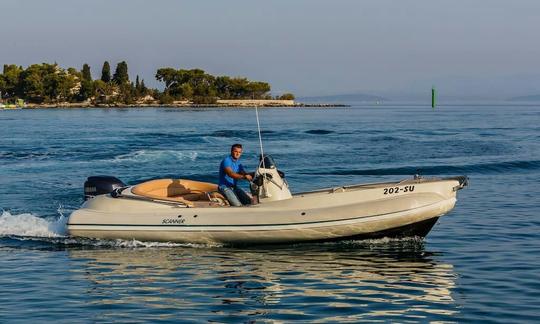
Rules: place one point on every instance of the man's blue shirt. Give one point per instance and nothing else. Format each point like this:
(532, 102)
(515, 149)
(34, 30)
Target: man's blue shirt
(235, 165)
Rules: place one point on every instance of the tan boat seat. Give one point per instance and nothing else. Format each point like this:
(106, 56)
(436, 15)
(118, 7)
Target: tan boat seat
(180, 190)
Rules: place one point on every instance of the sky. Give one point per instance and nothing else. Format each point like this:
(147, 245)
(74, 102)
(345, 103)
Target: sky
(484, 49)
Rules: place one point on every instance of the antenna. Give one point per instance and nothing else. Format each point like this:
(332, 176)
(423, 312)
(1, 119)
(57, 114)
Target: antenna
(262, 151)
(260, 138)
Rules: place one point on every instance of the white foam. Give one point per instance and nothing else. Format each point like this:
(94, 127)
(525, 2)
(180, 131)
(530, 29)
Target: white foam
(29, 225)
(140, 244)
(384, 241)
(155, 155)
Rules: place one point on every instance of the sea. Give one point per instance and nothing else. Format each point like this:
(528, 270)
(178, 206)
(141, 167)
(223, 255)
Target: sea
(480, 263)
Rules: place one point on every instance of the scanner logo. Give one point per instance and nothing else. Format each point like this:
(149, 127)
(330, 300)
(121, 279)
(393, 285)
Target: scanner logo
(173, 221)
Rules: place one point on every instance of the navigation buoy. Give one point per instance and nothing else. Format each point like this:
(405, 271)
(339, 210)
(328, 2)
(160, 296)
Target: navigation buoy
(433, 97)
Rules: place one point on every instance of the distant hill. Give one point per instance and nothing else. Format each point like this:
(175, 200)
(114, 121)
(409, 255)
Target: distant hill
(526, 98)
(357, 97)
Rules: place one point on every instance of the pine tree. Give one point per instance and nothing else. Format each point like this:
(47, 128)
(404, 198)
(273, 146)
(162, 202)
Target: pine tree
(106, 72)
(86, 75)
(144, 89)
(121, 74)
(137, 86)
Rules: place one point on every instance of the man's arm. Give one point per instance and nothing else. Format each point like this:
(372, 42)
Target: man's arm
(243, 171)
(241, 175)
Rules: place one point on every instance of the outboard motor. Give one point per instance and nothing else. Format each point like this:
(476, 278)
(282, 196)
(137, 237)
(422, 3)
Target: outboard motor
(100, 185)
(269, 183)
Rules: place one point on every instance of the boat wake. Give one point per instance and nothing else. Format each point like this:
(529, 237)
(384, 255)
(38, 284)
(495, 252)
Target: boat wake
(155, 156)
(24, 155)
(28, 227)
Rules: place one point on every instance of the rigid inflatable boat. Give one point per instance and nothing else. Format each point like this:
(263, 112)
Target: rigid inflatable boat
(187, 211)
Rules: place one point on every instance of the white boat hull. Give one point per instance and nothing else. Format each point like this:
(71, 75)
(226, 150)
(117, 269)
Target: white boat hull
(362, 211)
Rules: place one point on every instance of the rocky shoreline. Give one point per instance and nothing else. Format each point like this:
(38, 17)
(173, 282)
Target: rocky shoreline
(181, 105)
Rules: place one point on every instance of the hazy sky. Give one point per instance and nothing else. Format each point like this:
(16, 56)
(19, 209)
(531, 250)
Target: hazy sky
(466, 48)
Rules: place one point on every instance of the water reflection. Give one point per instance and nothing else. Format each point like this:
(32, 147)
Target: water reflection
(333, 282)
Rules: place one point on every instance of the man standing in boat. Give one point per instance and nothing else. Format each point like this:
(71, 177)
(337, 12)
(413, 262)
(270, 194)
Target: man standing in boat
(230, 171)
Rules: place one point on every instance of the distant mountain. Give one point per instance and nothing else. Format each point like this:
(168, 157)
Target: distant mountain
(357, 97)
(526, 98)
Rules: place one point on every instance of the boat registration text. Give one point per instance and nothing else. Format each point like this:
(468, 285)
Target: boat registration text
(395, 190)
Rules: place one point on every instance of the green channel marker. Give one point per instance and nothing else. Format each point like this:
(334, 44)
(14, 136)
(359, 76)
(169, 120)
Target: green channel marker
(433, 94)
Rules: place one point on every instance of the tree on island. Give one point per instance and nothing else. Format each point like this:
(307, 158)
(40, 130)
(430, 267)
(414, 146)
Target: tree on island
(106, 72)
(87, 85)
(200, 87)
(49, 83)
(241, 88)
(86, 75)
(286, 96)
(121, 76)
(140, 90)
(144, 89)
(101, 91)
(9, 81)
(121, 79)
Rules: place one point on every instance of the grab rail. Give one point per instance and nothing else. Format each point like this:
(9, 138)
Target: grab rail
(117, 193)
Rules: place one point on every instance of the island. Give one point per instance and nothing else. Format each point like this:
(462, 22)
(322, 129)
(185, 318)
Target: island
(49, 86)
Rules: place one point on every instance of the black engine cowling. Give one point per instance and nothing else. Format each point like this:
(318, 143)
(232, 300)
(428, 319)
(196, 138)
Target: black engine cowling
(100, 185)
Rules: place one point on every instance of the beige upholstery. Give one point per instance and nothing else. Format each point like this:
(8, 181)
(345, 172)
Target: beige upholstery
(185, 191)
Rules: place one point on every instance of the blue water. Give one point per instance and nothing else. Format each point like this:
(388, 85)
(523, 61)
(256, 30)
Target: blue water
(480, 262)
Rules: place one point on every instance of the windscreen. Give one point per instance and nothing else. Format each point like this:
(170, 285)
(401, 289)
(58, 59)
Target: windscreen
(268, 162)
